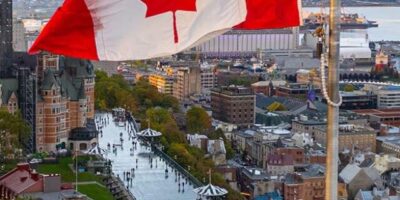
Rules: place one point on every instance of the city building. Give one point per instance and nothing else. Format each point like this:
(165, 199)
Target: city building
(265, 87)
(279, 164)
(255, 181)
(216, 149)
(226, 78)
(387, 96)
(388, 145)
(24, 180)
(295, 152)
(374, 194)
(312, 76)
(163, 83)
(294, 90)
(353, 45)
(386, 162)
(241, 137)
(350, 136)
(209, 78)
(9, 94)
(234, 104)
(246, 43)
(303, 124)
(315, 157)
(357, 100)
(285, 53)
(381, 116)
(6, 33)
(306, 124)
(65, 100)
(357, 178)
(187, 82)
(303, 139)
(307, 184)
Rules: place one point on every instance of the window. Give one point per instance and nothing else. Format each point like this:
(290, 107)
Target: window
(82, 146)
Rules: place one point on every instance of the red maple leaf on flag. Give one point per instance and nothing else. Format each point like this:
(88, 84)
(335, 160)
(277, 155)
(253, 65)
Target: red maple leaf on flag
(156, 7)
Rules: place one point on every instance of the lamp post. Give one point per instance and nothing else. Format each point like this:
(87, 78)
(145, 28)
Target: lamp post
(331, 175)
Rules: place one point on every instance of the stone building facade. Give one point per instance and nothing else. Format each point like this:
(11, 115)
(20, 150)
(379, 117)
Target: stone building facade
(65, 100)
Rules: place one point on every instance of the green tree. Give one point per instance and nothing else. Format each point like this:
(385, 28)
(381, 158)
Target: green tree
(349, 88)
(197, 120)
(100, 75)
(162, 120)
(14, 132)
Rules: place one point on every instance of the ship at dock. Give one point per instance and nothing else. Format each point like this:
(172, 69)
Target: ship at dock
(348, 21)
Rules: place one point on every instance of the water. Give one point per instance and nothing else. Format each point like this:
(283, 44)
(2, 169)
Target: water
(150, 181)
(388, 19)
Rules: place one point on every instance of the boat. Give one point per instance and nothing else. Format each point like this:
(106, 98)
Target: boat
(348, 21)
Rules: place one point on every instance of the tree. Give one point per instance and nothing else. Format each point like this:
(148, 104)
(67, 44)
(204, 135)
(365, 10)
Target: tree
(197, 120)
(14, 132)
(349, 88)
(101, 75)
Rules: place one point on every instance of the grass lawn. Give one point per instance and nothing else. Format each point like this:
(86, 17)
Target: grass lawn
(66, 173)
(8, 166)
(95, 191)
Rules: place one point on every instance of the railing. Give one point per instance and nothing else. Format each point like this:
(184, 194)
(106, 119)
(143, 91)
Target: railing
(176, 165)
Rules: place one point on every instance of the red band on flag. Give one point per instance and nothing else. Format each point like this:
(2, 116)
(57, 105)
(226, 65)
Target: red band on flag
(268, 14)
(70, 32)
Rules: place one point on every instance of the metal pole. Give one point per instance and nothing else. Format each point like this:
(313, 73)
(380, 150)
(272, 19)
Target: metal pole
(76, 170)
(331, 176)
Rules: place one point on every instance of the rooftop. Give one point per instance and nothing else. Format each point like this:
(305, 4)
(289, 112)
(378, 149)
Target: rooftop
(393, 112)
(20, 179)
(233, 90)
(347, 129)
(255, 173)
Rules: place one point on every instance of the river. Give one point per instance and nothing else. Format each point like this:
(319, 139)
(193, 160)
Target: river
(388, 19)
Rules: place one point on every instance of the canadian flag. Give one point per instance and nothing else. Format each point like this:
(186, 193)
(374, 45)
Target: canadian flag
(142, 29)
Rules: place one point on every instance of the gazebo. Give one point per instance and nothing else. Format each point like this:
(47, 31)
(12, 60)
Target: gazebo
(149, 133)
(210, 191)
(95, 150)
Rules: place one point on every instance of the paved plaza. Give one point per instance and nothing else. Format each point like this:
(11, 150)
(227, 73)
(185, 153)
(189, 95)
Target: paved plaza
(147, 170)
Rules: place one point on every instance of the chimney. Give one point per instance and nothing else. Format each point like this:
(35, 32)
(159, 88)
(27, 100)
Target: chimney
(34, 175)
(23, 167)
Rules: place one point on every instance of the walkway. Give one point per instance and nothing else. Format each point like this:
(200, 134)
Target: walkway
(150, 181)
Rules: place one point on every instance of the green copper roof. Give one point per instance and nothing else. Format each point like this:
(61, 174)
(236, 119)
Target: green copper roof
(8, 86)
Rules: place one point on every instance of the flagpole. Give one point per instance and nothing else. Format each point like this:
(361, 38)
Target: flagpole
(331, 175)
(76, 171)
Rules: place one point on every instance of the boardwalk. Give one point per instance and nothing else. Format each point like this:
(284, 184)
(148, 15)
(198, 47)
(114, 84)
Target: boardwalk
(149, 181)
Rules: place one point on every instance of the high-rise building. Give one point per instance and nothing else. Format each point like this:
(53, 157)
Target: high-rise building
(187, 83)
(233, 104)
(6, 48)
